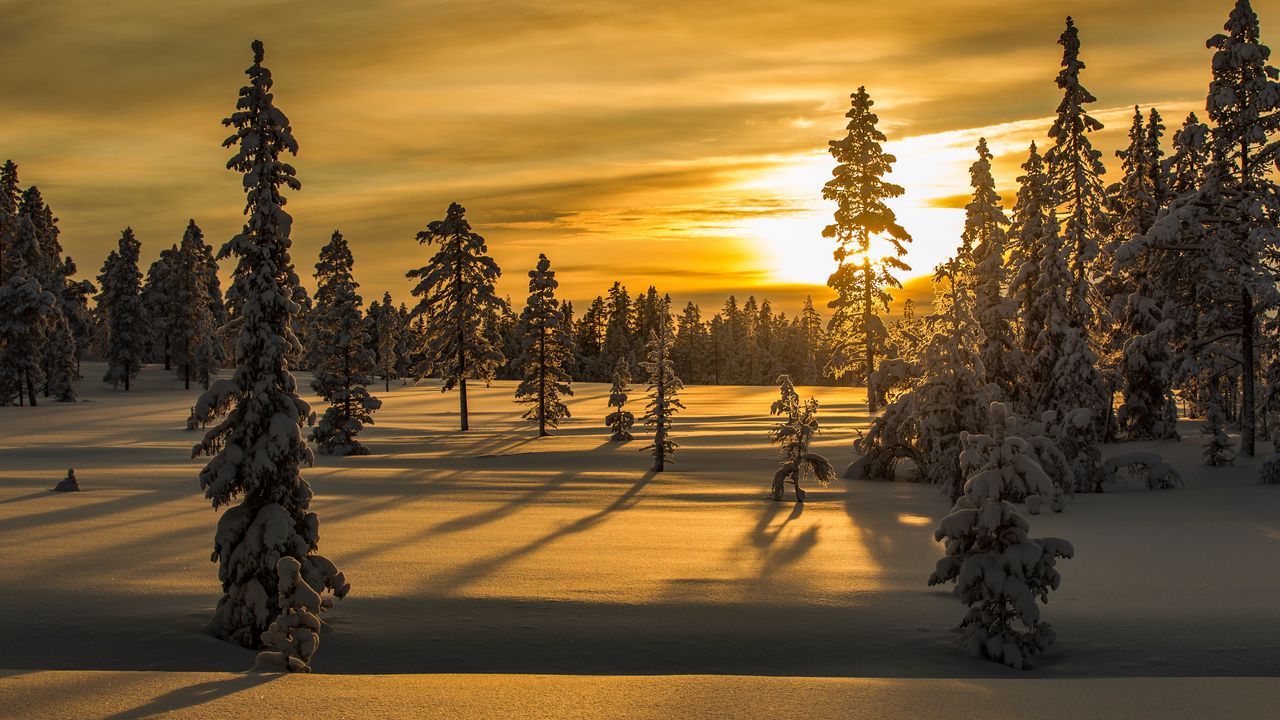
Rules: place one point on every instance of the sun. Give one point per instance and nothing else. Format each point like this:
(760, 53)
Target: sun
(789, 239)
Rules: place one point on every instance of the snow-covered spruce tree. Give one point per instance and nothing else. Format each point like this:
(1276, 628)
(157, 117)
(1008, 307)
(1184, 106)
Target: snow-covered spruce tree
(120, 305)
(1000, 573)
(75, 307)
(1217, 445)
(388, 338)
(193, 329)
(664, 385)
(24, 307)
(620, 420)
(340, 359)
(862, 222)
(984, 231)
(457, 295)
(1190, 156)
(1032, 218)
(257, 447)
(1157, 168)
(1075, 172)
(1244, 105)
(1062, 375)
(44, 260)
(792, 435)
(949, 394)
(159, 305)
(546, 352)
(1138, 347)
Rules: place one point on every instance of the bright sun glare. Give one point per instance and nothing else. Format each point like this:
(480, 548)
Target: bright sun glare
(791, 241)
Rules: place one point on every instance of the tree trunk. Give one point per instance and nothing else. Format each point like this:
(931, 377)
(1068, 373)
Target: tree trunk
(31, 391)
(542, 383)
(1247, 433)
(872, 405)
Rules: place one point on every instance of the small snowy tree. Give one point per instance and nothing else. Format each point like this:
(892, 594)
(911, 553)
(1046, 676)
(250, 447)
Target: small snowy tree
(546, 352)
(620, 420)
(792, 435)
(664, 386)
(863, 222)
(999, 570)
(120, 303)
(457, 296)
(257, 447)
(1000, 573)
(1217, 445)
(340, 358)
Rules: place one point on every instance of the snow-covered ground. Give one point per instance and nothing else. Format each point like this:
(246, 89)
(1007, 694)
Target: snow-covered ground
(496, 552)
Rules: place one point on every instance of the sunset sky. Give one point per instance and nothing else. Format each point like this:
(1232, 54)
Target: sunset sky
(681, 144)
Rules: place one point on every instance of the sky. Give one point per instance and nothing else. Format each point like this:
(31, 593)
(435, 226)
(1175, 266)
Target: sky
(678, 144)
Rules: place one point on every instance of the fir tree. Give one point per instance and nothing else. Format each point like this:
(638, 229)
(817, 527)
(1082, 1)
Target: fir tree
(457, 297)
(159, 303)
(792, 435)
(120, 302)
(862, 220)
(620, 420)
(1217, 445)
(257, 447)
(546, 351)
(664, 386)
(339, 356)
(388, 337)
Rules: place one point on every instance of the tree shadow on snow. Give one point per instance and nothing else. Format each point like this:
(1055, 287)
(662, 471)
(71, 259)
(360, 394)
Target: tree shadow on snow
(185, 698)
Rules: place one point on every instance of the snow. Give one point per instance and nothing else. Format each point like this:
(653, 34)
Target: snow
(497, 552)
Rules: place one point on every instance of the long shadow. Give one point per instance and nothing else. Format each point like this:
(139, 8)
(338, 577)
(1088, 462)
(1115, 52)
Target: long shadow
(185, 698)
(83, 511)
(24, 498)
(475, 570)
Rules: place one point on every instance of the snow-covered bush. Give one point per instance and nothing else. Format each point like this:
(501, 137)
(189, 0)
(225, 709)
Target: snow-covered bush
(792, 435)
(1146, 467)
(1007, 466)
(293, 637)
(1000, 573)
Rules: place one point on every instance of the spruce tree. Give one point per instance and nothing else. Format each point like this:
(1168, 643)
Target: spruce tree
(664, 387)
(546, 352)
(869, 244)
(192, 326)
(75, 306)
(1075, 171)
(257, 447)
(388, 338)
(457, 301)
(44, 259)
(24, 306)
(340, 359)
(620, 420)
(159, 292)
(985, 231)
(120, 303)
(1032, 218)
(690, 345)
(1244, 105)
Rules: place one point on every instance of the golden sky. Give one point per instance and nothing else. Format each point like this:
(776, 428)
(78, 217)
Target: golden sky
(680, 144)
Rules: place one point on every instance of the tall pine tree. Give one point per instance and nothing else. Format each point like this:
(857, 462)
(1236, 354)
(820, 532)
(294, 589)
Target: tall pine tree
(869, 244)
(546, 352)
